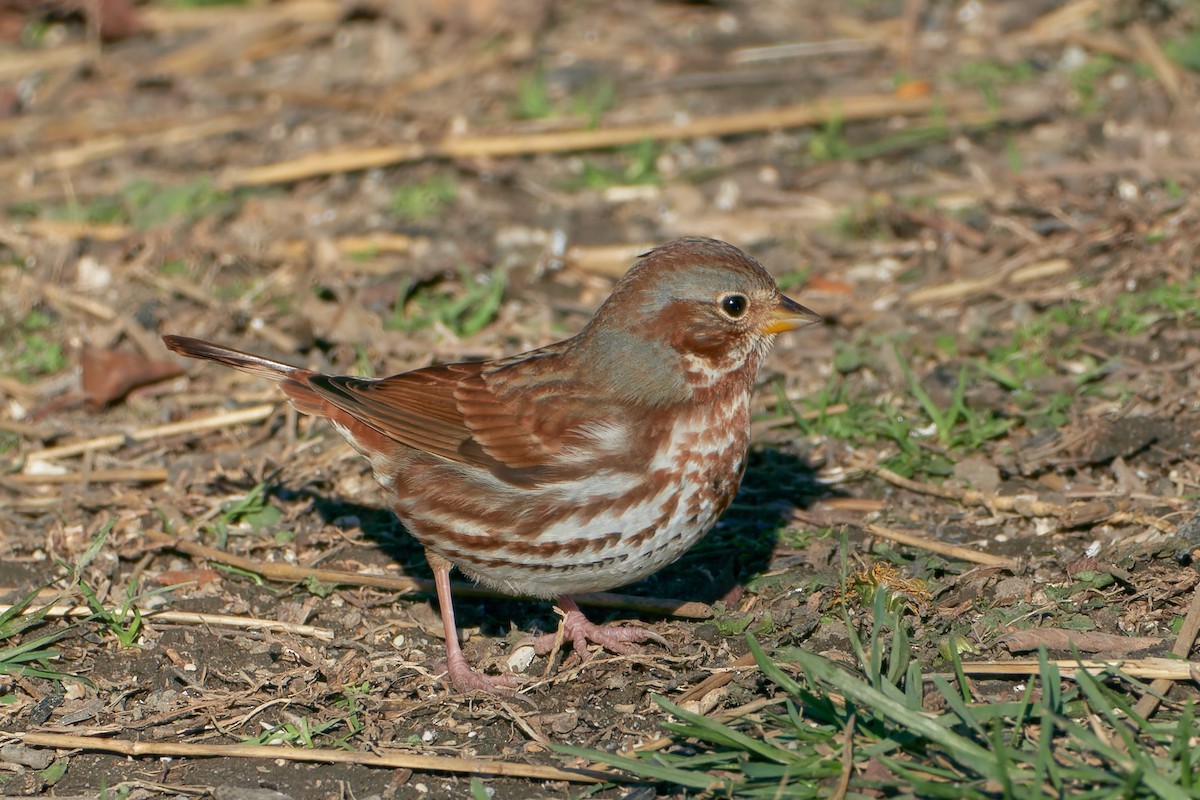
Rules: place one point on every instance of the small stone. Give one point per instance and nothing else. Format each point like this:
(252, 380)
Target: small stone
(26, 756)
(980, 473)
(565, 723)
(521, 658)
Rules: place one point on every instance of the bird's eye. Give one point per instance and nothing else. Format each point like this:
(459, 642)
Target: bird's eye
(734, 305)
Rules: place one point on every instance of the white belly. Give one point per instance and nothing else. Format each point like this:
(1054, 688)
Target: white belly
(699, 473)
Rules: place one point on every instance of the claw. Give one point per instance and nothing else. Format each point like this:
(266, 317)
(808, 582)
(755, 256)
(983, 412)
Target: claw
(579, 630)
(465, 678)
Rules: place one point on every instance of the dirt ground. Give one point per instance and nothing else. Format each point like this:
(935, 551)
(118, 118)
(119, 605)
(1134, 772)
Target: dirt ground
(993, 205)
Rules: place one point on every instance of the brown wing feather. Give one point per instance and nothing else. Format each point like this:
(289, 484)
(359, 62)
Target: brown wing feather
(415, 408)
(514, 425)
(497, 417)
(514, 418)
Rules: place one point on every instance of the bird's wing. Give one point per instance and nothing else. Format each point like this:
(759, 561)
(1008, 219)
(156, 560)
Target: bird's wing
(522, 432)
(415, 408)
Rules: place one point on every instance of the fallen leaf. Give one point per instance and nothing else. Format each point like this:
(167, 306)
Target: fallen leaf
(109, 375)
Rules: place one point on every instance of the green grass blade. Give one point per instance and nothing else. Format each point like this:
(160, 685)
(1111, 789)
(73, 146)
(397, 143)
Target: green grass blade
(966, 752)
(712, 731)
(645, 768)
(772, 670)
(956, 704)
(94, 548)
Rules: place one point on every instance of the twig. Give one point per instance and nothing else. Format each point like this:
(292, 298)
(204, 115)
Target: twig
(605, 259)
(941, 548)
(223, 420)
(1113, 645)
(377, 243)
(1166, 669)
(287, 572)
(1062, 22)
(104, 147)
(1015, 272)
(13, 387)
(147, 475)
(1070, 516)
(758, 426)
(1106, 42)
(1182, 648)
(192, 618)
(778, 52)
(717, 680)
(1164, 68)
(527, 725)
(847, 758)
(16, 64)
(795, 116)
(394, 760)
(22, 429)
(31, 504)
(67, 229)
(59, 296)
(163, 19)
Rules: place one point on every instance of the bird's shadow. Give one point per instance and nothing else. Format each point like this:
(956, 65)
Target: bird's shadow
(776, 483)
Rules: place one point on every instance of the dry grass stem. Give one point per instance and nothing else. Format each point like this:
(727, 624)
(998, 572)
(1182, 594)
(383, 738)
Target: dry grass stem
(223, 420)
(1184, 642)
(799, 115)
(941, 548)
(1074, 515)
(391, 760)
(1168, 669)
(143, 475)
(192, 618)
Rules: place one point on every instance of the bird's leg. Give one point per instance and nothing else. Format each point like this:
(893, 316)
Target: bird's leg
(464, 677)
(579, 630)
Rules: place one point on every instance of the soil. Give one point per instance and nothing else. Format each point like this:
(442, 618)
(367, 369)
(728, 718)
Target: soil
(1015, 163)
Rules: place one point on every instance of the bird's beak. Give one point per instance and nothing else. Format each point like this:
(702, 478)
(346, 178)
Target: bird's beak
(789, 315)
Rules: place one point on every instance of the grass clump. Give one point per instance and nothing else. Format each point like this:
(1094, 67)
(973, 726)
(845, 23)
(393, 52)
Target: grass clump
(334, 730)
(31, 348)
(464, 310)
(884, 728)
(425, 199)
(146, 204)
(35, 656)
(636, 165)
(537, 99)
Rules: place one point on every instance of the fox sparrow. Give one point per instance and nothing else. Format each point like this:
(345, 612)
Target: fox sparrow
(577, 467)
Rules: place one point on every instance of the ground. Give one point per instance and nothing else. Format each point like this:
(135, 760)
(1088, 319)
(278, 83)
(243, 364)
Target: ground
(992, 205)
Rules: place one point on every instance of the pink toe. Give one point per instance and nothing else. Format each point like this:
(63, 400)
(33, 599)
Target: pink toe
(464, 678)
(579, 631)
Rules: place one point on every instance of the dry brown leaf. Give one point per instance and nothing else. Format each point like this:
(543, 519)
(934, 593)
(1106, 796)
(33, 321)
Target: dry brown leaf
(109, 375)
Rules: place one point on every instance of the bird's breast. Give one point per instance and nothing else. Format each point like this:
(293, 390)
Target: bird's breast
(603, 529)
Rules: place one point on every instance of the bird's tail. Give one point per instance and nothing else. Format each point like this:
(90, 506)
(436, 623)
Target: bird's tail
(293, 380)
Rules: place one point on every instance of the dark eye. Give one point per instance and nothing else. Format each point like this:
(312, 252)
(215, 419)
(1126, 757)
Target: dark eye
(734, 305)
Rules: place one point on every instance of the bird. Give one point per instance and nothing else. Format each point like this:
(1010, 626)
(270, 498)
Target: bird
(579, 466)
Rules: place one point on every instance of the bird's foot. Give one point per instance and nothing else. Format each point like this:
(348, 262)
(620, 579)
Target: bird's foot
(466, 678)
(579, 630)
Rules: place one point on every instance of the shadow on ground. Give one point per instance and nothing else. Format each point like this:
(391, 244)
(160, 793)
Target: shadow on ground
(737, 549)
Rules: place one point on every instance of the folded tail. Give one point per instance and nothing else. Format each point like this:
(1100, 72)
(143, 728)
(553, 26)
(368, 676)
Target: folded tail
(293, 380)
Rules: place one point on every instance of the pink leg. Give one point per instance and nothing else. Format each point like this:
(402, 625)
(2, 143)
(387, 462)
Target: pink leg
(579, 631)
(462, 675)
